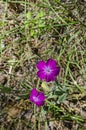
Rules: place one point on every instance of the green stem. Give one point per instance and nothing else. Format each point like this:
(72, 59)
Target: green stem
(38, 83)
(35, 117)
(59, 109)
(58, 85)
(39, 120)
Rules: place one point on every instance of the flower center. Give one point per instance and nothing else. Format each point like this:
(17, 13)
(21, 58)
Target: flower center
(35, 99)
(47, 70)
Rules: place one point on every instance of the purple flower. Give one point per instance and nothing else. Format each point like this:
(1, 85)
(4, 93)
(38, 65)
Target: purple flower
(37, 97)
(48, 70)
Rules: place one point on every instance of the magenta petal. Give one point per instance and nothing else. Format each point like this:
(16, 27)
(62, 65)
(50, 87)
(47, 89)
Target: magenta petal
(31, 98)
(48, 70)
(51, 63)
(41, 96)
(37, 97)
(41, 103)
(56, 71)
(41, 65)
(33, 92)
(41, 74)
(53, 78)
(48, 78)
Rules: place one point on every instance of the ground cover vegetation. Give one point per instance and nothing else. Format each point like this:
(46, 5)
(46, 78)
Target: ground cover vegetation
(43, 65)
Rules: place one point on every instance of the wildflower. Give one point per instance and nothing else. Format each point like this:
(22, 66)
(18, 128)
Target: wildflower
(37, 97)
(48, 70)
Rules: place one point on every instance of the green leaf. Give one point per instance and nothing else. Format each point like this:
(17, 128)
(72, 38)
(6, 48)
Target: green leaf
(40, 14)
(41, 24)
(52, 96)
(5, 89)
(23, 96)
(62, 98)
(29, 15)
